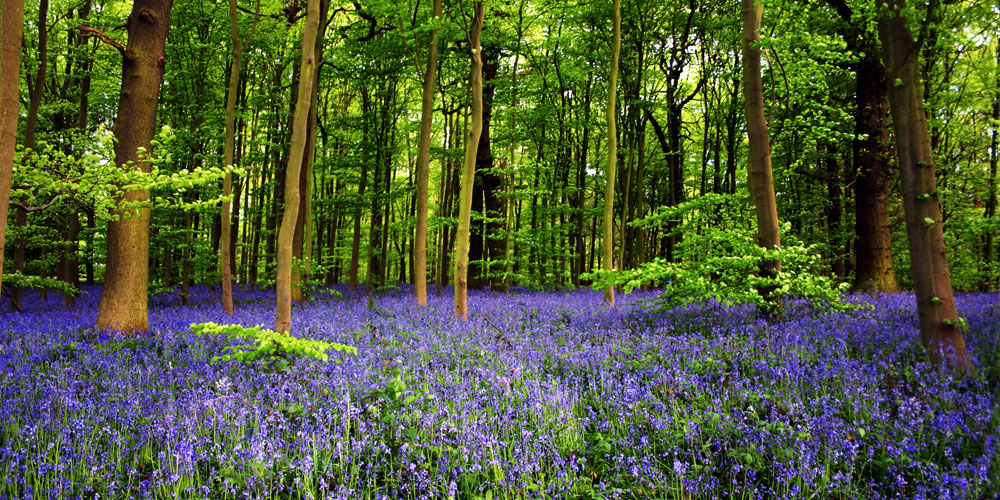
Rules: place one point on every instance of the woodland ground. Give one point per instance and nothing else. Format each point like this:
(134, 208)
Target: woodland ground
(538, 395)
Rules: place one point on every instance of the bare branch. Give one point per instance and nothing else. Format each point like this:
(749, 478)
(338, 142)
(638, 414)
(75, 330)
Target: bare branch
(87, 32)
(29, 208)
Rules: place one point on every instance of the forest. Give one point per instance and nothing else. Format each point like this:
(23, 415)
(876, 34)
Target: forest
(499, 249)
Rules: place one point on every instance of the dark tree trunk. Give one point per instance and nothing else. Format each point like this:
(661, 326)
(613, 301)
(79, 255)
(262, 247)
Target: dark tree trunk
(873, 248)
(835, 213)
(352, 282)
(71, 261)
(990, 281)
(488, 185)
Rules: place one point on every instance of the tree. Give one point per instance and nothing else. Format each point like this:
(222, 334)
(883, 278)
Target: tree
(302, 241)
(761, 179)
(11, 24)
(225, 258)
(123, 300)
(872, 155)
(608, 241)
(423, 164)
(469, 167)
(939, 324)
(307, 71)
(989, 281)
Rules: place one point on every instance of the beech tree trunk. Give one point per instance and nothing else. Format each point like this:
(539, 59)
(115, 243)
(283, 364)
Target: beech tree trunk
(302, 240)
(759, 169)
(71, 260)
(484, 246)
(939, 328)
(469, 169)
(989, 280)
(352, 277)
(873, 249)
(423, 166)
(34, 101)
(11, 26)
(307, 70)
(609, 186)
(123, 300)
(225, 258)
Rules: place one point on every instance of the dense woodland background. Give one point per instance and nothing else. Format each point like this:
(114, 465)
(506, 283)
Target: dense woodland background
(539, 185)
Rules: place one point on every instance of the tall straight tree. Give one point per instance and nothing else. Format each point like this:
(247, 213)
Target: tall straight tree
(872, 155)
(225, 259)
(286, 232)
(302, 240)
(11, 26)
(989, 281)
(608, 241)
(939, 327)
(35, 92)
(423, 165)
(123, 300)
(761, 178)
(469, 168)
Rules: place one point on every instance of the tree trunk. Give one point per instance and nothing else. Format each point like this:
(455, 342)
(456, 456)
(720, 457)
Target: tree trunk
(123, 301)
(35, 98)
(423, 166)
(186, 257)
(445, 210)
(225, 259)
(71, 273)
(989, 280)
(609, 188)
(873, 248)
(939, 327)
(761, 180)
(11, 26)
(71, 261)
(307, 71)
(483, 246)
(352, 278)
(34, 101)
(302, 240)
(835, 213)
(469, 169)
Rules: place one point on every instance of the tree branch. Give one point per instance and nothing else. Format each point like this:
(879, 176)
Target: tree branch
(87, 32)
(29, 208)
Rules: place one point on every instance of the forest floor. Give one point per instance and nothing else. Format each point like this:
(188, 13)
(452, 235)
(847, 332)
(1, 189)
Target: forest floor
(537, 395)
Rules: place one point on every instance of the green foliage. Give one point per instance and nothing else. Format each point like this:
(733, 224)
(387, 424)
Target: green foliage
(48, 174)
(269, 345)
(722, 262)
(18, 280)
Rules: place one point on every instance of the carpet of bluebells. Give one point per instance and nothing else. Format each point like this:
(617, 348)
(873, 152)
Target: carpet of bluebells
(537, 395)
